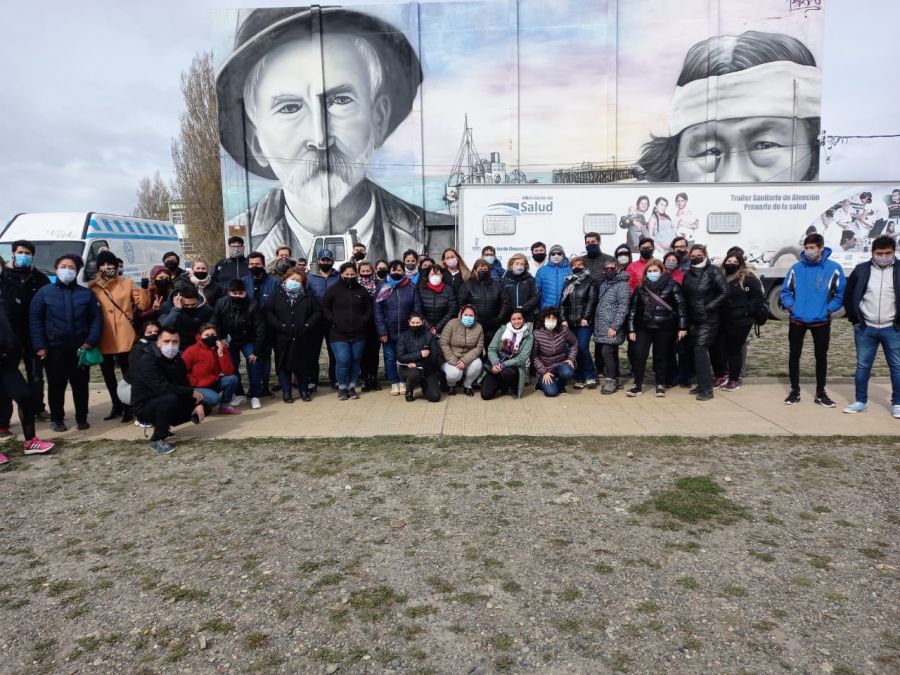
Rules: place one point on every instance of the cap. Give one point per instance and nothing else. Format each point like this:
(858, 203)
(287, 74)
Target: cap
(326, 253)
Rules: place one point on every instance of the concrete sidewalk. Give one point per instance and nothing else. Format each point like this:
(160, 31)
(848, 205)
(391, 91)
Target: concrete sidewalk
(757, 408)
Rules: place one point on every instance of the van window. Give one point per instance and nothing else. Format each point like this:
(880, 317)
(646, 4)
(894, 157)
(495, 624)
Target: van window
(46, 253)
(336, 246)
(90, 263)
(601, 223)
(723, 223)
(495, 225)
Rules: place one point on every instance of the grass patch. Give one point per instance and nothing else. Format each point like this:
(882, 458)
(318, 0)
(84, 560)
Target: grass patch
(511, 586)
(216, 626)
(733, 591)
(470, 598)
(872, 552)
(440, 585)
(570, 594)
(182, 593)
(689, 583)
(419, 611)
(603, 568)
(374, 603)
(694, 499)
(501, 641)
(253, 641)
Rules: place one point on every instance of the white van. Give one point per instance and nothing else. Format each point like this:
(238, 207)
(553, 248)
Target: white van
(138, 242)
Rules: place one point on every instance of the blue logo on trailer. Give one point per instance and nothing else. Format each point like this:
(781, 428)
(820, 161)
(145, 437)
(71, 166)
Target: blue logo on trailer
(129, 252)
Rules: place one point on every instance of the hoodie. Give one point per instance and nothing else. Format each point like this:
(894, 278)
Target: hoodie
(812, 291)
(550, 280)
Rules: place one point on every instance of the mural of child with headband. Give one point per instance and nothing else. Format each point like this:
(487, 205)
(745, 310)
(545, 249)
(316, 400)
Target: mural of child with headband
(746, 108)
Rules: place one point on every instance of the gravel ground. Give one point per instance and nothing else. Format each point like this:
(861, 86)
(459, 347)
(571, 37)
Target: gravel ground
(454, 556)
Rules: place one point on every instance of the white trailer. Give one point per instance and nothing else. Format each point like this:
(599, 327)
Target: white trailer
(767, 220)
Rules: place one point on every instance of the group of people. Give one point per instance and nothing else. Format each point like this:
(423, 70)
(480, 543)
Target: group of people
(178, 337)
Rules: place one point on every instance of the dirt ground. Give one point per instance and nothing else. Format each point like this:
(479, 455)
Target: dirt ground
(417, 555)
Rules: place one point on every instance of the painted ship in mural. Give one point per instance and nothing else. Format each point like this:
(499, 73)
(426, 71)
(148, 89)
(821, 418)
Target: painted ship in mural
(470, 169)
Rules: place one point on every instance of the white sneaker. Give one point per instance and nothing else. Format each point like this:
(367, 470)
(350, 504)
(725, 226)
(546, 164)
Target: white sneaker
(140, 424)
(255, 403)
(238, 400)
(855, 407)
(395, 389)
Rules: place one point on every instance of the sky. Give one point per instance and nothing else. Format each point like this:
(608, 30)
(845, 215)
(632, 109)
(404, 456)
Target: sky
(91, 98)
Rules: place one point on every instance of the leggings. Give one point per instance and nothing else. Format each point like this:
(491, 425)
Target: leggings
(417, 377)
(507, 380)
(13, 387)
(821, 335)
(662, 342)
(108, 370)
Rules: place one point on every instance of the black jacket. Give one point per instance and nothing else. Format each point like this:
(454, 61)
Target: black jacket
(742, 304)
(580, 303)
(595, 266)
(240, 320)
(519, 291)
(485, 297)
(30, 281)
(439, 308)
(647, 313)
(289, 328)
(454, 281)
(211, 293)
(10, 318)
(410, 346)
(348, 312)
(185, 323)
(227, 269)
(154, 375)
(857, 283)
(705, 291)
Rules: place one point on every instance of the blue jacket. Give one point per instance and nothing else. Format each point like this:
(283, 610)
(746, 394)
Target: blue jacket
(64, 315)
(392, 313)
(497, 270)
(267, 287)
(316, 284)
(813, 290)
(550, 280)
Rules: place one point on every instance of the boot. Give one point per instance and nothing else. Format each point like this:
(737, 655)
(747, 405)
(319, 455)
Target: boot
(114, 413)
(127, 416)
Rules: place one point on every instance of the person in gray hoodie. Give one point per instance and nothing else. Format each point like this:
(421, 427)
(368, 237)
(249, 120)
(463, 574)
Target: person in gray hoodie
(613, 296)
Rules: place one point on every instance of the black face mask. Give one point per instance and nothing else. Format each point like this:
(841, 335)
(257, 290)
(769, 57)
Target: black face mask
(190, 310)
(352, 283)
(359, 255)
(610, 274)
(680, 254)
(283, 265)
(416, 330)
(410, 267)
(484, 275)
(325, 267)
(201, 274)
(730, 269)
(163, 285)
(397, 276)
(210, 340)
(539, 257)
(171, 265)
(646, 253)
(237, 302)
(593, 250)
(257, 272)
(151, 338)
(577, 271)
(382, 273)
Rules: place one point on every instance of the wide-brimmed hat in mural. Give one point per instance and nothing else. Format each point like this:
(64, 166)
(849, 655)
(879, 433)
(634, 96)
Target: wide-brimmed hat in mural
(265, 29)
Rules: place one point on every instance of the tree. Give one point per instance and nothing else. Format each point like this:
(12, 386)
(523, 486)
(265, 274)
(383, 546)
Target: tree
(195, 154)
(152, 199)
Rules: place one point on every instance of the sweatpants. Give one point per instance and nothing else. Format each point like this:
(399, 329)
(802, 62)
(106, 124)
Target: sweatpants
(821, 335)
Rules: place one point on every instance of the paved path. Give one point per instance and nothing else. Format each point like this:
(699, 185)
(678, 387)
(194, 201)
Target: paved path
(757, 408)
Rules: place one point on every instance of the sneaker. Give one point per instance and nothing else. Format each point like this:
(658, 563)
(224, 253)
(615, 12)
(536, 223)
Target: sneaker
(162, 447)
(142, 425)
(395, 389)
(4, 460)
(6, 434)
(228, 410)
(352, 393)
(609, 386)
(719, 382)
(856, 407)
(895, 411)
(591, 382)
(635, 391)
(83, 426)
(705, 395)
(793, 398)
(410, 396)
(255, 403)
(43, 415)
(660, 391)
(694, 391)
(620, 383)
(451, 390)
(578, 384)
(342, 395)
(733, 385)
(267, 393)
(823, 400)
(237, 400)
(58, 426)
(37, 447)
(468, 391)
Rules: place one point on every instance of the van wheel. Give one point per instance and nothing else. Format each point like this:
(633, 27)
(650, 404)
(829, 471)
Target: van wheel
(785, 258)
(773, 300)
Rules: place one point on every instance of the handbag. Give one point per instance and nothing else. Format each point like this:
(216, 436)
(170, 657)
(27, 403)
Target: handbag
(89, 357)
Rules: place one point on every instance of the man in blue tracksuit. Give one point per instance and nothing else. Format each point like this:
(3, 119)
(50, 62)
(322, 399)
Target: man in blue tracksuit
(320, 279)
(551, 278)
(260, 287)
(813, 289)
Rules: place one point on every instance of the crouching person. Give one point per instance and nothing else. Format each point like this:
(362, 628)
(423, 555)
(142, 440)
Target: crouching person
(418, 355)
(210, 369)
(508, 356)
(161, 394)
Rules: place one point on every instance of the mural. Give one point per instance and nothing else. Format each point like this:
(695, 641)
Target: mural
(369, 118)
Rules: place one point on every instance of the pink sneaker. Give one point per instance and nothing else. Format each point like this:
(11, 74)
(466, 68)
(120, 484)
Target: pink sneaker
(37, 447)
(228, 410)
(720, 381)
(3, 459)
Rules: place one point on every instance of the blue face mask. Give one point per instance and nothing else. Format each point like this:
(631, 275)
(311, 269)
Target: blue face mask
(66, 275)
(652, 276)
(292, 285)
(23, 259)
(468, 321)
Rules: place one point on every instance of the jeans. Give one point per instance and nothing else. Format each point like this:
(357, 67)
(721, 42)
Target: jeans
(319, 335)
(468, 376)
(371, 352)
(821, 337)
(867, 341)
(164, 412)
(561, 374)
(348, 357)
(254, 370)
(584, 364)
(390, 360)
(610, 356)
(221, 392)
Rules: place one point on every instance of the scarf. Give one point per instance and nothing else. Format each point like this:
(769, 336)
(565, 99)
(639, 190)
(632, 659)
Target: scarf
(438, 288)
(369, 284)
(510, 341)
(572, 281)
(199, 283)
(389, 286)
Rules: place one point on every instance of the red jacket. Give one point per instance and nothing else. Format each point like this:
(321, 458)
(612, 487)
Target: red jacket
(204, 365)
(635, 273)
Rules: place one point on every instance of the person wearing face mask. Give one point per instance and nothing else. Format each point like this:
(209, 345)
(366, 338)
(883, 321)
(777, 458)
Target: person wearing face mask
(456, 272)
(211, 371)
(411, 265)
(489, 255)
(508, 354)
(519, 290)
(741, 309)
(198, 277)
(161, 394)
(292, 317)
(872, 301)
(118, 297)
(232, 267)
(462, 344)
(538, 256)
(672, 264)
(613, 297)
(260, 287)
(63, 318)
(419, 354)
(348, 311)
(551, 278)
(160, 288)
(395, 301)
(657, 317)
(172, 262)
(579, 305)
(184, 314)
(635, 270)
(359, 252)
(554, 353)
(382, 269)
(594, 259)
(323, 277)
(705, 290)
(813, 289)
(482, 291)
(148, 332)
(679, 369)
(680, 247)
(368, 372)
(281, 264)
(439, 302)
(242, 325)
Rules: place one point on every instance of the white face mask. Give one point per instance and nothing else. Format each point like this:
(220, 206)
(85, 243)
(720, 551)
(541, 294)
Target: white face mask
(66, 274)
(170, 351)
(435, 280)
(518, 269)
(489, 259)
(623, 259)
(550, 324)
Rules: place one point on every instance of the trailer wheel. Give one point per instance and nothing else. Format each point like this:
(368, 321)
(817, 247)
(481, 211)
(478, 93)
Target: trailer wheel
(776, 311)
